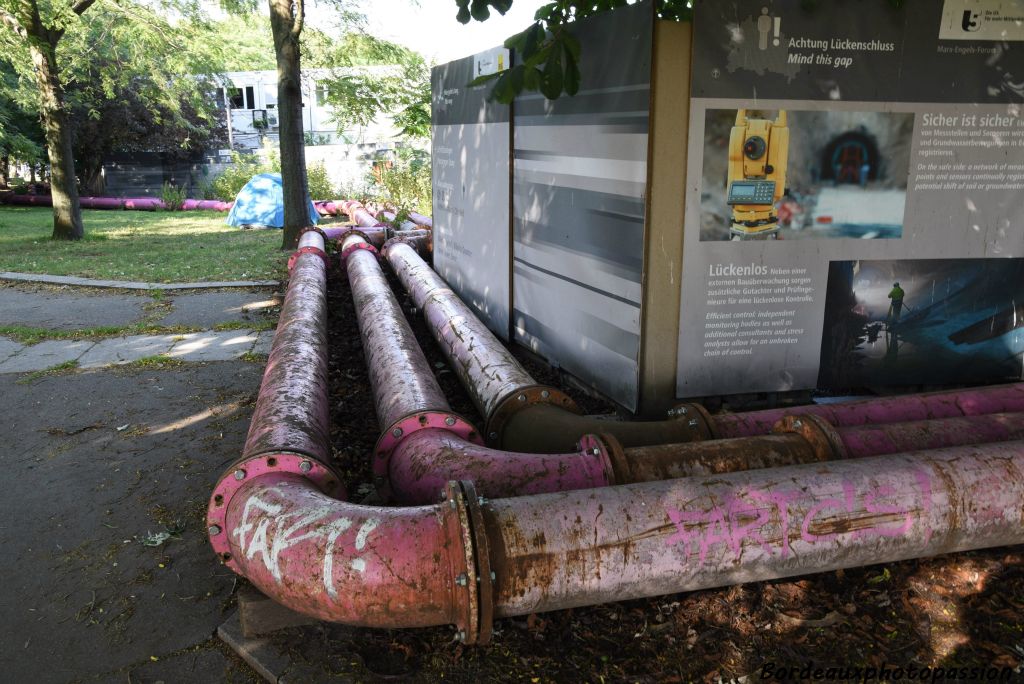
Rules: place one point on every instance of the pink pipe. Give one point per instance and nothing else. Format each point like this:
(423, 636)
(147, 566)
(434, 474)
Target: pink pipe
(358, 213)
(558, 551)
(337, 561)
(131, 203)
(377, 236)
(466, 561)
(101, 203)
(420, 219)
(424, 461)
(898, 409)
(390, 216)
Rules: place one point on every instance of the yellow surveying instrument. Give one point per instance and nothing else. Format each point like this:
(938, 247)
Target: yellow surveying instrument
(758, 154)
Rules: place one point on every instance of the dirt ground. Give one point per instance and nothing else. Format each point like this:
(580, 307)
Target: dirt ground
(954, 611)
(97, 465)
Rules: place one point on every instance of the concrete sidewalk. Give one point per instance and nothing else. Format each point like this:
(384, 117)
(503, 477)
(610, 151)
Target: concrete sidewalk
(223, 345)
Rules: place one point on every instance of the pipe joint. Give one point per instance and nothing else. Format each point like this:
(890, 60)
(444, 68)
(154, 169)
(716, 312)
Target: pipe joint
(402, 428)
(314, 229)
(824, 440)
(245, 470)
(519, 399)
(398, 239)
(294, 258)
(608, 450)
(471, 575)
(357, 246)
(697, 418)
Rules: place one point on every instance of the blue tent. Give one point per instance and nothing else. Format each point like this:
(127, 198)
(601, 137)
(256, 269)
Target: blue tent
(261, 203)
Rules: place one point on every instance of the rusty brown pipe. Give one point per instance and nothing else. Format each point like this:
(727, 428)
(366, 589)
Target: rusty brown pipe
(521, 415)
(805, 438)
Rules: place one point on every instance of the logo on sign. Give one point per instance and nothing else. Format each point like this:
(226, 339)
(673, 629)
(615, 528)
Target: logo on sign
(971, 21)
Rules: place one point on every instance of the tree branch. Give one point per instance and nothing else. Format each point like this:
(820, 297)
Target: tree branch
(11, 22)
(82, 5)
(300, 16)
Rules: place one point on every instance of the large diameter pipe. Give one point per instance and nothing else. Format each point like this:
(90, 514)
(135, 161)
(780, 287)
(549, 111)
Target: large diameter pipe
(485, 367)
(400, 375)
(291, 409)
(557, 551)
(359, 565)
(897, 409)
(520, 414)
(425, 461)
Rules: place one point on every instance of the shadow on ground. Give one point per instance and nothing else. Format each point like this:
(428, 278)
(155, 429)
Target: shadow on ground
(96, 464)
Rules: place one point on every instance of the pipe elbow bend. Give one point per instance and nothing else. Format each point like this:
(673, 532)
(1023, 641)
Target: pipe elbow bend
(358, 565)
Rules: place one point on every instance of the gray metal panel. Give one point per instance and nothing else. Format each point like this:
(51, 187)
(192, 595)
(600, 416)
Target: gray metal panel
(470, 161)
(580, 179)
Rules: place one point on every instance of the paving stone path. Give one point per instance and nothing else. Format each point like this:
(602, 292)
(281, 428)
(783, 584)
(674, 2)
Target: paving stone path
(66, 308)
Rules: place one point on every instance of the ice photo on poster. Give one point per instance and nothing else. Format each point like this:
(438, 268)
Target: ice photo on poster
(794, 174)
(902, 321)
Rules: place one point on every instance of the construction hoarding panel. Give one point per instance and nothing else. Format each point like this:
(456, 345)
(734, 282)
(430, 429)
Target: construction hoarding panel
(470, 157)
(856, 197)
(579, 184)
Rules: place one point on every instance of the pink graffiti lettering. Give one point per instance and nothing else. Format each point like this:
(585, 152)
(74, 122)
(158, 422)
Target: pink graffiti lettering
(742, 520)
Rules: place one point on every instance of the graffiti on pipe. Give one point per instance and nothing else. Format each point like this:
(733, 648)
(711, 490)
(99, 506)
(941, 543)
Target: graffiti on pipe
(876, 511)
(274, 532)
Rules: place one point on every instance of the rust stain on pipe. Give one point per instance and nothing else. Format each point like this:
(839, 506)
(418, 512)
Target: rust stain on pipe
(291, 410)
(557, 551)
(521, 415)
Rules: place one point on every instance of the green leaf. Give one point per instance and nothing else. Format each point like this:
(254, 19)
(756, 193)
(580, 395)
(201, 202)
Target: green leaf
(572, 44)
(516, 75)
(463, 16)
(532, 39)
(551, 80)
(503, 91)
(572, 75)
(480, 80)
(479, 10)
(531, 78)
(545, 11)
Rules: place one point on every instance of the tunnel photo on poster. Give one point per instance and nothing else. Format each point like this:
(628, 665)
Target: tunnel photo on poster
(928, 320)
(794, 174)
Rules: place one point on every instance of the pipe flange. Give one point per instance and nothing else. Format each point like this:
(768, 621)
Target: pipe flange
(349, 232)
(520, 399)
(485, 575)
(402, 428)
(307, 250)
(352, 248)
(462, 573)
(613, 457)
(825, 442)
(697, 418)
(325, 479)
(314, 229)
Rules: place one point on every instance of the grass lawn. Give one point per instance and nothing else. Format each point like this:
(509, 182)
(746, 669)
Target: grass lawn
(150, 246)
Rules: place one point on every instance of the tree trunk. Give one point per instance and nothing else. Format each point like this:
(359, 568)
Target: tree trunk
(67, 215)
(289, 104)
(5, 170)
